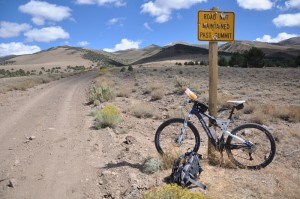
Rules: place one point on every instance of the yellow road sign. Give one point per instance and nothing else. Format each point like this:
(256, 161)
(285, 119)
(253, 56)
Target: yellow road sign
(215, 25)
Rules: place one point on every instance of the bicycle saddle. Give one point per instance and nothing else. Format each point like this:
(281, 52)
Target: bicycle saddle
(236, 102)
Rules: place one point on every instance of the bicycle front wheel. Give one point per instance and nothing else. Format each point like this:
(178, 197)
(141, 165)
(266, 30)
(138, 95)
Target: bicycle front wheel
(259, 154)
(167, 135)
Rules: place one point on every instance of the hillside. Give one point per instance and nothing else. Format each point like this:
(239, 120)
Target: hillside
(64, 56)
(134, 55)
(286, 48)
(175, 52)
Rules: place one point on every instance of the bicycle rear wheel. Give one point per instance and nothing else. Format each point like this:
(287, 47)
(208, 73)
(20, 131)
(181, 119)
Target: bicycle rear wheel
(259, 155)
(168, 133)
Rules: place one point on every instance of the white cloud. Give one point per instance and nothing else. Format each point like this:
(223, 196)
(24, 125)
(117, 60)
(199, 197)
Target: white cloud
(117, 3)
(115, 21)
(147, 26)
(255, 4)
(46, 34)
(292, 4)
(289, 20)
(278, 38)
(17, 48)
(9, 29)
(41, 11)
(162, 9)
(124, 45)
(83, 43)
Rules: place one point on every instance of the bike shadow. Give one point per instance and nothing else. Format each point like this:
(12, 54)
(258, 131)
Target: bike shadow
(124, 164)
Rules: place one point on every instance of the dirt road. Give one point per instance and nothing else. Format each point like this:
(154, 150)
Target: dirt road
(42, 136)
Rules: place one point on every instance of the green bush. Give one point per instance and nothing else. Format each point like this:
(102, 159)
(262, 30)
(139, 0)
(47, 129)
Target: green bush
(123, 69)
(102, 93)
(109, 116)
(171, 191)
(130, 68)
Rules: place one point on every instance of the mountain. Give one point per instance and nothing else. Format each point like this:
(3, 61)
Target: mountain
(295, 41)
(285, 49)
(75, 56)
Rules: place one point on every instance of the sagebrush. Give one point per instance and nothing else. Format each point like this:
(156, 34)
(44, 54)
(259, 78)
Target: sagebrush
(109, 116)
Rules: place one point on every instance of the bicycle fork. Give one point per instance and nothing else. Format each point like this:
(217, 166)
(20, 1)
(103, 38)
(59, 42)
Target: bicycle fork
(180, 138)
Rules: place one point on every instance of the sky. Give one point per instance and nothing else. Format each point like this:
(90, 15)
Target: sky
(28, 26)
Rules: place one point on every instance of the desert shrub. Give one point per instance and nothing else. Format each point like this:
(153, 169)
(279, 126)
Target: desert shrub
(124, 92)
(181, 83)
(157, 94)
(104, 70)
(143, 110)
(152, 165)
(258, 117)
(109, 116)
(289, 113)
(151, 87)
(102, 93)
(123, 69)
(171, 191)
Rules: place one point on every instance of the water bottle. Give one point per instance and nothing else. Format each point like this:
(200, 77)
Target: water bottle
(190, 93)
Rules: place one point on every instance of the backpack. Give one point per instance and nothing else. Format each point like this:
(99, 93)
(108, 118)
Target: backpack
(186, 170)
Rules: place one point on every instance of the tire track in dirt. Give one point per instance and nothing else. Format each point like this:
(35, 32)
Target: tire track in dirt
(51, 165)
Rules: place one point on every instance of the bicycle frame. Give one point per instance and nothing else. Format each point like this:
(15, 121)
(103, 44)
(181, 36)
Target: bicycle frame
(222, 124)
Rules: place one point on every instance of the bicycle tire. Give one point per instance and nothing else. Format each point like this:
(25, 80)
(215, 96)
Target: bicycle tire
(169, 130)
(264, 150)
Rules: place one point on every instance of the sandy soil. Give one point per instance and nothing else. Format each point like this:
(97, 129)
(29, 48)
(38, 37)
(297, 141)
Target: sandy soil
(49, 148)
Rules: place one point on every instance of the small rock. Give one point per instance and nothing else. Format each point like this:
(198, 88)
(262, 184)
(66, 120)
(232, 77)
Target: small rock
(12, 183)
(130, 140)
(32, 137)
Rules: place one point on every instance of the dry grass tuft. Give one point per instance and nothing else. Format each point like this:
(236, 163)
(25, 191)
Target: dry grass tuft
(143, 110)
(181, 83)
(157, 94)
(171, 191)
(151, 87)
(258, 117)
(124, 92)
(168, 159)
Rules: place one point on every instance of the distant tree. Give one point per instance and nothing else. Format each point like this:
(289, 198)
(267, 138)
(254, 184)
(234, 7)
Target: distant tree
(222, 61)
(236, 59)
(297, 60)
(202, 63)
(130, 68)
(254, 58)
(191, 63)
(123, 69)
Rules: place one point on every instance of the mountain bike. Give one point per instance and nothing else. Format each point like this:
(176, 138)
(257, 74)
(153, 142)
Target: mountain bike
(249, 145)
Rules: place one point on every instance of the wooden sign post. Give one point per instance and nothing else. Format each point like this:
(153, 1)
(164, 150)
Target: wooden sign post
(214, 26)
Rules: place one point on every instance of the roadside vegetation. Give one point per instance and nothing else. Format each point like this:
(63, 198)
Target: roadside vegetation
(21, 80)
(171, 191)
